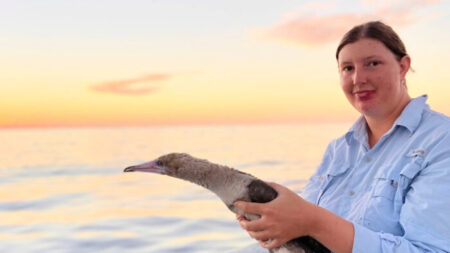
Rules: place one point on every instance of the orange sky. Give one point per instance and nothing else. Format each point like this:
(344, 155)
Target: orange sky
(199, 62)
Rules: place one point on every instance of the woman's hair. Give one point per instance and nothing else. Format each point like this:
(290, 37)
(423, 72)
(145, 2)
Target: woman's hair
(378, 31)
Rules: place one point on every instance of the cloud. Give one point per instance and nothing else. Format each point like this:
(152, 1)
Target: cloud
(128, 86)
(309, 29)
(399, 3)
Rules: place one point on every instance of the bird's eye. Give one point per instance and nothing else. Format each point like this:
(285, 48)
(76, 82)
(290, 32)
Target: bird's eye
(159, 163)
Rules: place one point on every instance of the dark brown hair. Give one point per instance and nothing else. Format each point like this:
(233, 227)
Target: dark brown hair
(378, 31)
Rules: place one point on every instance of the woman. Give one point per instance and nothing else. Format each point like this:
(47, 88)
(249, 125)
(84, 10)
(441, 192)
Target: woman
(385, 185)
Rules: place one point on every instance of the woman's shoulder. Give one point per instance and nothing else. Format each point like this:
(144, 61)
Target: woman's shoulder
(435, 115)
(435, 122)
(433, 134)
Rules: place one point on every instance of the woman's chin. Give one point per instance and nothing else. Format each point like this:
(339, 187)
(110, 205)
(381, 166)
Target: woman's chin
(366, 109)
(365, 105)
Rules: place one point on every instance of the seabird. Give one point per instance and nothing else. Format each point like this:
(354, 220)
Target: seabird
(229, 185)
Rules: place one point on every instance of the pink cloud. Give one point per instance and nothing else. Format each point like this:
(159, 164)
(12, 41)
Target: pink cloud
(312, 30)
(128, 86)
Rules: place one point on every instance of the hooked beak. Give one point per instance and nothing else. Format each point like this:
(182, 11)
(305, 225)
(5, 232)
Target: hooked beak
(146, 167)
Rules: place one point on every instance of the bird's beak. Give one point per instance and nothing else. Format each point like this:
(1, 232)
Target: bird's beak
(146, 167)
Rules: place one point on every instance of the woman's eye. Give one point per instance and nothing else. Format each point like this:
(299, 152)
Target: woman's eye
(347, 68)
(373, 63)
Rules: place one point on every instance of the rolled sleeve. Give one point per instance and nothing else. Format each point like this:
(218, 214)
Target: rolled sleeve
(365, 240)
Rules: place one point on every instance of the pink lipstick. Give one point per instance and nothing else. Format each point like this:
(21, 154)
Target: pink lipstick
(364, 95)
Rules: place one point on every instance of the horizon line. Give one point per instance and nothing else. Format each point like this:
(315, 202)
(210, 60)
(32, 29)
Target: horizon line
(196, 124)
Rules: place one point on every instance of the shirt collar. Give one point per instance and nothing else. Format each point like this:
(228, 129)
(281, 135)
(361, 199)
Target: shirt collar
(409, 118)
(357, 131)
(412, 114)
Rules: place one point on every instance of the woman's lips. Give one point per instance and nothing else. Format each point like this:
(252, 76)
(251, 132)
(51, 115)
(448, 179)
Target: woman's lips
(364, 94)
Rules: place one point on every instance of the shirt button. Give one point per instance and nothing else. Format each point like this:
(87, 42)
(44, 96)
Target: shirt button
(351, 193)
(368, 159)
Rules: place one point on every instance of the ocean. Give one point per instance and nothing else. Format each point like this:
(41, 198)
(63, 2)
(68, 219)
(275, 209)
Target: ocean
(64, 190)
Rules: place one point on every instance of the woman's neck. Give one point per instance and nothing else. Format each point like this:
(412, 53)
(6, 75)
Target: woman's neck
(378, 126)
(376, 130)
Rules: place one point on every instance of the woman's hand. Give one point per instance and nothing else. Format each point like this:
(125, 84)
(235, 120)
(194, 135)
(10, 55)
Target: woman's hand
(282, 219)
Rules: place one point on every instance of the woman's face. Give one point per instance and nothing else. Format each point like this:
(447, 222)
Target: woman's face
(372, 79)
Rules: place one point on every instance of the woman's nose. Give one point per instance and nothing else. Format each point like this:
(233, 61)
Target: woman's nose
(359, 76)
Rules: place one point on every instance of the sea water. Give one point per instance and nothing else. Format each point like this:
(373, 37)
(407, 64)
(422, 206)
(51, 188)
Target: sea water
(64, 190)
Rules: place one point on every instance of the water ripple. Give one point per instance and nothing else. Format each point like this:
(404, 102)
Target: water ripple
(40, 204)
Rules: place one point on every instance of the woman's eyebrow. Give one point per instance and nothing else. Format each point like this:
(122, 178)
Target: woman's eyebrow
(345, 62)
(371, 57)
(362, 59)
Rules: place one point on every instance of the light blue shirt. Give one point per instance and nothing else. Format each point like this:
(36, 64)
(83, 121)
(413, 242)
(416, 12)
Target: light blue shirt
(396, 194)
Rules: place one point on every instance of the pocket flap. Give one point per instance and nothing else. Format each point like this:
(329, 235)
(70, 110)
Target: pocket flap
(338, 170)
(411, 169)
(385, 188)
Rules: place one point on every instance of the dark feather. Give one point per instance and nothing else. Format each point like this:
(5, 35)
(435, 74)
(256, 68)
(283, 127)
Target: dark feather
(260, 192)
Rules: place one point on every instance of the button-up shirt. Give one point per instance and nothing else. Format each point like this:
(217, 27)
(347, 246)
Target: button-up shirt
(397, 193)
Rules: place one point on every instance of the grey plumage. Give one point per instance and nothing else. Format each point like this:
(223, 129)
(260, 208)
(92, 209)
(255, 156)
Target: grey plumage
(229, 185)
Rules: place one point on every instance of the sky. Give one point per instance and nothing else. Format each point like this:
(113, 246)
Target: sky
(188, 62)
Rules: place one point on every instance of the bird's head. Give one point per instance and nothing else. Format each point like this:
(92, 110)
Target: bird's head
(179, 165)
(227, 183)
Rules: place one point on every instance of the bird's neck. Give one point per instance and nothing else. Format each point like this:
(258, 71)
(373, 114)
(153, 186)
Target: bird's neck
(228, 184)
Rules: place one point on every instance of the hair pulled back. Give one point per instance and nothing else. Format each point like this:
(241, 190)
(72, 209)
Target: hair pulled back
(378, 31)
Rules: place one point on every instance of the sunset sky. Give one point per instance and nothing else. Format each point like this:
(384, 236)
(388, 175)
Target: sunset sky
(170, 62)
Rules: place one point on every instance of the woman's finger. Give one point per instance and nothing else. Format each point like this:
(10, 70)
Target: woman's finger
(259, 235)
(254, 225)
(271, 243)
(241, 217)
(249, 207)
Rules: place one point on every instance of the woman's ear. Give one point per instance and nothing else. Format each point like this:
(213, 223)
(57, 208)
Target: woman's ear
(405, 65)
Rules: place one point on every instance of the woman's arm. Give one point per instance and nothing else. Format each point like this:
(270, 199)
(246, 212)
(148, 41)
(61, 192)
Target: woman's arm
(424, 217)
(289, 216)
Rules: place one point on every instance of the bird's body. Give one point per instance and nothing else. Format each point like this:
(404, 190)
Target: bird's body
(229, 185)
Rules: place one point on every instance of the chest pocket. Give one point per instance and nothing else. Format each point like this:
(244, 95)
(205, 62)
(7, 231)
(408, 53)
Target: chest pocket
(329, 177)
(392, 185)
(385, 185)
(388, 196)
